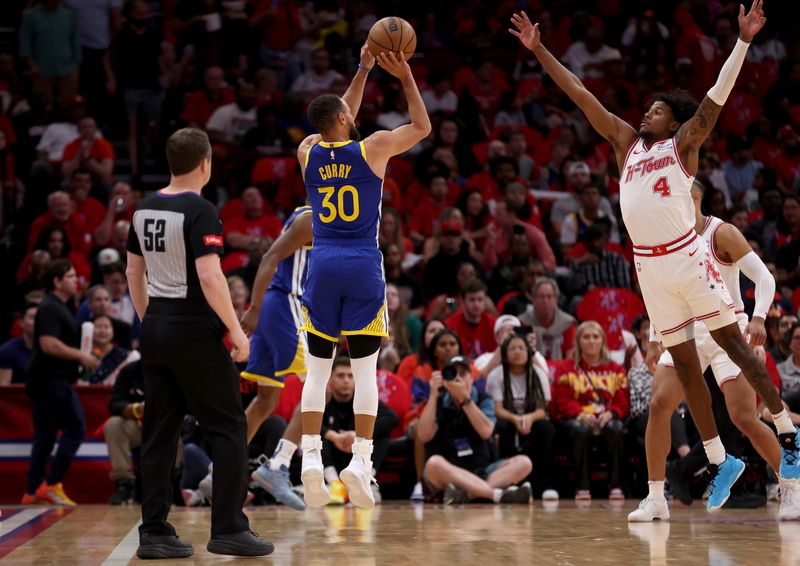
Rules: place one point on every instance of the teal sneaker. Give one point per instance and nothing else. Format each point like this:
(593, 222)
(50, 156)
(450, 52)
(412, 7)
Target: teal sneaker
(722, 479)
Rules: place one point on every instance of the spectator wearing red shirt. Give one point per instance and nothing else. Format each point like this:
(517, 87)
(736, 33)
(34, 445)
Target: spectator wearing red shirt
(423, 221)
(554, 328)
(473, 324)
(89, 152)
(60, 212)
(202, 103)
(55, 241)
(590, 397)
(502, 170)
(90, 210)
(240, 232)
(499, 243)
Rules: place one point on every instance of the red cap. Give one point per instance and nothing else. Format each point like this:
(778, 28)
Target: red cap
(452, 227)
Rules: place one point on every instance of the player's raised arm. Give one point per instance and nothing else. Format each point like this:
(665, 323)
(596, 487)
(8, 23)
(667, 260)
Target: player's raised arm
(356, 89)
(694, 132)
(611, 127)
(383, 145)
(297, 235)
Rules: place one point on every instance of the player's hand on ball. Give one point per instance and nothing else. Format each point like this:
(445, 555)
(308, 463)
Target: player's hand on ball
(751, 24)
(394, 64)
(527, 32)
(367, 59)
(241, 346)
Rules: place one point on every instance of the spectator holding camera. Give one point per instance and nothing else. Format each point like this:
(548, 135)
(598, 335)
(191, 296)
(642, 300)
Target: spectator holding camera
(590, 398)
(457, 427)
(521, 393)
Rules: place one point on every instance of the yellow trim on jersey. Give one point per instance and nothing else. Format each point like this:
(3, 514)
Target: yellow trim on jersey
(308, 326)
(375, 328)
(335, 144)
(305, 165)
(298, 364)
(363, 150)
(261, 380)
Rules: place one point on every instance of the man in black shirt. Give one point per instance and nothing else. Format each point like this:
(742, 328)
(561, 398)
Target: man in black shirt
(338, 425)
(123, 431)
(15, 355)
(456, 426)
(53, 370)
(181, 295)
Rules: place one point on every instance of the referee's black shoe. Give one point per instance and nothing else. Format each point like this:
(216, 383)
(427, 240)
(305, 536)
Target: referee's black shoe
(153, 547)
(245, 543)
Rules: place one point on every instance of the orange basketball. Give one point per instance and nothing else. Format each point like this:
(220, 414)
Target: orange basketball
(392, 34)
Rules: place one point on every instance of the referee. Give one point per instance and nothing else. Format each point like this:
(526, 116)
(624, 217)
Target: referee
(182, 298)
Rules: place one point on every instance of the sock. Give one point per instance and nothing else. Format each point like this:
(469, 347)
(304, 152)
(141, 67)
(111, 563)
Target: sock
(715, 451)
(283, 454)
(656, 490)
(311, 442)
(496, 495)
(783, 423)
(330, 474)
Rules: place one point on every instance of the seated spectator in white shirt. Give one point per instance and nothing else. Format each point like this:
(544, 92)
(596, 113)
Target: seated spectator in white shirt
(585, 57)
(440, 97)
(229, 123)
(319, 78)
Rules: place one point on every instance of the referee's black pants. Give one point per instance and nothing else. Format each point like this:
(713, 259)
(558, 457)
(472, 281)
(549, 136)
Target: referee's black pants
(186, 365)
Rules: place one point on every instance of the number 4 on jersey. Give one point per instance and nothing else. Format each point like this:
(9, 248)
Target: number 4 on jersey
(662, 187)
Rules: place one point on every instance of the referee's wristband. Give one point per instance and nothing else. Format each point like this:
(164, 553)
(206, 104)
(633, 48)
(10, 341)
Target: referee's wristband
(363, 68)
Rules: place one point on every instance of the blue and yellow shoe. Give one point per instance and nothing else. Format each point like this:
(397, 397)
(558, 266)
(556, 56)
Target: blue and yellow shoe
(790, 455)
(277, 483)
(722, 479)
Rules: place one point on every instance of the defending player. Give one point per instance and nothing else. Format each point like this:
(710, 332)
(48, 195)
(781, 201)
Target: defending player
(680, 283)
(345, 292)
(732, 254)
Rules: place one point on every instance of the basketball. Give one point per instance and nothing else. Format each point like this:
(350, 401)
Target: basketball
(392, 34)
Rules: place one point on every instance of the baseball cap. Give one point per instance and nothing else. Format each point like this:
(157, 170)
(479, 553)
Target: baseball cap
(458, 360)
(452, 227)
(578, 167)
(506, 320)
(107, 256)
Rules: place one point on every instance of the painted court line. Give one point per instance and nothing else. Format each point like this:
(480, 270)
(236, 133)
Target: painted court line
(8, 526)
(125, 550)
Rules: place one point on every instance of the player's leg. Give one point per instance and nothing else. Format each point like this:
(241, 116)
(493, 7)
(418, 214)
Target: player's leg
(667, 394)
(439, 473)
(358, 475)
(260, 408)
(730, 339)
(320, 363)
(741, 402)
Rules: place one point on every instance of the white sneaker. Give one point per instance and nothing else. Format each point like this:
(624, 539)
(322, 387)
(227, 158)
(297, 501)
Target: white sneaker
(416, 494)
(790, 501)
(550, 495)
(357, 476)
(376, 493)
(315, 492)
(650, 510)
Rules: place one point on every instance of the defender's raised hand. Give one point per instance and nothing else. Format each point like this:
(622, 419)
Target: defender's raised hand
(751, 24)
(527, 32)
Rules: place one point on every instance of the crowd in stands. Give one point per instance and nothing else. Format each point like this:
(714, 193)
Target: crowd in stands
(501, 233)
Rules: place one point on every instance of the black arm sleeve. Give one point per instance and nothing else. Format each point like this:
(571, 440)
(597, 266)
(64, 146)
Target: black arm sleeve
(132, 244)
(205, 231)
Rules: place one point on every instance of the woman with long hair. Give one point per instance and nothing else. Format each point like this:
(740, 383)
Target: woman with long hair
(391, 231)
(409, 288)
(112, 357)
(477, 217)
(410, 365)
(590, 398)
(521, 393)
(404, 328)
(54, 240)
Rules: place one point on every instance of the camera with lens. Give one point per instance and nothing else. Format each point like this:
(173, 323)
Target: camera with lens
(450, 369)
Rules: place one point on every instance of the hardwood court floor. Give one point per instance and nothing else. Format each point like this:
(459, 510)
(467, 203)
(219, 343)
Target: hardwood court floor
(403, 533)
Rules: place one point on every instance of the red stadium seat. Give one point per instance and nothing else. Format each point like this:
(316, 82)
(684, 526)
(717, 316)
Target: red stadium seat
(269, 169)
(505, 298)
(613, 309)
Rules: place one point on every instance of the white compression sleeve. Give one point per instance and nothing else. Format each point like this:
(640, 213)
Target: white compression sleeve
(365, 373)
(728, 74)
(317, 376)
(755, 270)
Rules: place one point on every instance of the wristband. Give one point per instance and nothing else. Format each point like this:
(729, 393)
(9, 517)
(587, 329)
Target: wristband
(363, 68)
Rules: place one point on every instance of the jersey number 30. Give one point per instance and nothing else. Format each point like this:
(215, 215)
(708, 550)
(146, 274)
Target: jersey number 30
(339, 210)
(662, 187)
(154, 229)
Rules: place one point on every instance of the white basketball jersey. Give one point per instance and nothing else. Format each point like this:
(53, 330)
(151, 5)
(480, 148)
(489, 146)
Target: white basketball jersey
(655, 194)
(728, 271)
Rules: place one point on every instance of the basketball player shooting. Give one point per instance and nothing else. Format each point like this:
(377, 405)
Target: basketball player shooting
(345, 292)
(679, 279)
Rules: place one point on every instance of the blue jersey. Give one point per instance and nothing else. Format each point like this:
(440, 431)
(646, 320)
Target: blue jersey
(290, 276)
(345, 195)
